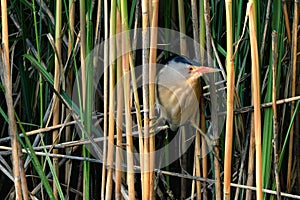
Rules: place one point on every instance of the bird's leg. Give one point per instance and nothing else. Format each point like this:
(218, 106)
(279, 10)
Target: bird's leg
(154, 128)
(209, 140)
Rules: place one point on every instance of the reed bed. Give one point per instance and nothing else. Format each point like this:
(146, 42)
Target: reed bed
(78, 108)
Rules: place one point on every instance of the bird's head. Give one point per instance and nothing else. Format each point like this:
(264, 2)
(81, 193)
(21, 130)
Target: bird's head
(189, 69)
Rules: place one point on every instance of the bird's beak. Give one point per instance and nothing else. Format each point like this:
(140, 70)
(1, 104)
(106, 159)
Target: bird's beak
(202, 70)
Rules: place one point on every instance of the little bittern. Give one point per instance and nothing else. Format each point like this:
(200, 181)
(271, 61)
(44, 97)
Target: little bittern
(178, 90)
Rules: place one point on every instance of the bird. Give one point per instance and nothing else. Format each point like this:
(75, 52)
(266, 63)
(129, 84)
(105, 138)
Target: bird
(177, 90)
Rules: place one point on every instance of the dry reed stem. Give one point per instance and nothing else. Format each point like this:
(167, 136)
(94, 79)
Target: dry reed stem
(9, 100)
(250, 172)
(183, 51)
(98, 23)
(274, 107)
(256, 99)
(230, 101)
(293, 91)
(119, 158)
(213, 98)
(127, 69)
(181, 18)
(267, 20)
(111, 114)
(286, 21)
(197, 170)
(145, 61)
(69, 87)
(105, 96)
(195, 28)
(152, 78)
(56, 104)
(129, 142)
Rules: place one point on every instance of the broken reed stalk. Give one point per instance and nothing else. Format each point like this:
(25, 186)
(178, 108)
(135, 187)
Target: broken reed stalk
(256, 99)
(274, 107)
(56, 106)
(111, 116)
(152, 79)
(293, 91)
(230, 100)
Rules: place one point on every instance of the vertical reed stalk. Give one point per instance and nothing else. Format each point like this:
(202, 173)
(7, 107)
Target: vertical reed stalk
(197, 170)
(69, 86)
(293, 90)
(181, 18)
(267, 19)
(126, 78)
(202, 116)
(111, 128)
(56, 112)
(152, 78)
(275, 119)
(250, 172)
(98, 23)
(195, 27)
(105, 95)
(145, 61)
(127, 45)
(213, 98)
(183, 51)
(230, 100)
(256, 99)
(197, 164)
(120, 104)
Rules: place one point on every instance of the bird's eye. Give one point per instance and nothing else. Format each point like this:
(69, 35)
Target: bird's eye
(190, 68)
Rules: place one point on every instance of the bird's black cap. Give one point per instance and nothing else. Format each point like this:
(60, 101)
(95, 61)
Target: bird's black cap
(180, 59)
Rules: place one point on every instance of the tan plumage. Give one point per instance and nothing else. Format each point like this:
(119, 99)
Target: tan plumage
(178, 90)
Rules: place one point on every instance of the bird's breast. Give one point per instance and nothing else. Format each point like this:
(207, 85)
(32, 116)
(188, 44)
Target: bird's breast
(178, 102)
